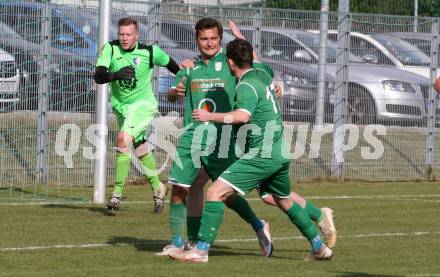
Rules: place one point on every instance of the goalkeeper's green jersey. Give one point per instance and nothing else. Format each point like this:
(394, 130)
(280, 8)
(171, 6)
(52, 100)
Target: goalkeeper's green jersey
(126, 92)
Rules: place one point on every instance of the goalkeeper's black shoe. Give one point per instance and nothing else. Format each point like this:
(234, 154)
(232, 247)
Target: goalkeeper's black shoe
(114, 203)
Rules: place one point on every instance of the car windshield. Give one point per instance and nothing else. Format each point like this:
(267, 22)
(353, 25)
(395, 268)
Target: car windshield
(86, 22)
(89, 25)
(312, 41)
(405, 52)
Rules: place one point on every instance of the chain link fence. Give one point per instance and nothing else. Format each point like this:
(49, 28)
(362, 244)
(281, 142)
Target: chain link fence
(381, 115)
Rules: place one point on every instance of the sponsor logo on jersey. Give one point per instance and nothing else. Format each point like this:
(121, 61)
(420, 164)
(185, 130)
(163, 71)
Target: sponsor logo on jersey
(208, 105)
(218, 66)
(205, 85)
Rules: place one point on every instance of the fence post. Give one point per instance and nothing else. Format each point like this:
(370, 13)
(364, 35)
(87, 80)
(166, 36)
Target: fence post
(340, 104)
(322, 61)
(157, 29)
(43, 92)
(431, 102)
(416, 14)
(100, 163)
(256, 36)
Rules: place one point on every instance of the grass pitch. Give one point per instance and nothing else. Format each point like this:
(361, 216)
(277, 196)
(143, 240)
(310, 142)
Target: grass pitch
(385, 229)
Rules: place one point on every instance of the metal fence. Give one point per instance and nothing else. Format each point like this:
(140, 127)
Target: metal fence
(381, 114)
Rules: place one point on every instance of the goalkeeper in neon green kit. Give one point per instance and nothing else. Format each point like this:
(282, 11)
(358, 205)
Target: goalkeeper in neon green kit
(128, 66)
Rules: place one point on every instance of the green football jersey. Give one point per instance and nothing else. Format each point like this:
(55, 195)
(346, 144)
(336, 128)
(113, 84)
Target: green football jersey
(126, 92)
(211, 87)
(256, 96)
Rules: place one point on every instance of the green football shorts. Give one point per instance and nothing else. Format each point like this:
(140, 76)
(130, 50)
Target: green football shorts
(136, 119)
(187, 164)
(271, 176)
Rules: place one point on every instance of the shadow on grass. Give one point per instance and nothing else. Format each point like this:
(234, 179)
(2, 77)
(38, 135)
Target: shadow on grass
(101, 210)
(139, 244)
(155, 246)
(362, 274)
(256, 250)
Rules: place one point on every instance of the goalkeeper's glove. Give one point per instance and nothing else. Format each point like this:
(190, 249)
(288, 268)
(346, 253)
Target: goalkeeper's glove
(125, 73)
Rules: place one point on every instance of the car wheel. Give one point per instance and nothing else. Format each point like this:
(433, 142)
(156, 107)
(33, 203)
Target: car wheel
(361, 108)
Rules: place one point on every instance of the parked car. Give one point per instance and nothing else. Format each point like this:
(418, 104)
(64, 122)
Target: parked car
(70, 31)
(299, 83)
(423, 42)
(375, 93)
(420, 40)
(9, 81)
(181, 32)
(406, 51)
(70, 82)
(389, 50)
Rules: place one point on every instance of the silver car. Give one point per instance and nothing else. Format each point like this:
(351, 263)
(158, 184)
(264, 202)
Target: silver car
(375, 92)
(389, 50)
(406, 51)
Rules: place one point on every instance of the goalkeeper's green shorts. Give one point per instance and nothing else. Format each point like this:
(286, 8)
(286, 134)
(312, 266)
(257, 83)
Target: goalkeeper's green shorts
(136, 119)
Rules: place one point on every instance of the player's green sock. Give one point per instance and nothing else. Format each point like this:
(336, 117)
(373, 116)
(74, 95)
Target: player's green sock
(211, 220)
(301, 219)
(193, 226)
(177, 223)
(150, 164)
(314, 213)
(242, 208)
(123, 163)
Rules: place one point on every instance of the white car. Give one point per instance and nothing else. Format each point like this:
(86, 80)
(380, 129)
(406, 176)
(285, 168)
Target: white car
(9, 78)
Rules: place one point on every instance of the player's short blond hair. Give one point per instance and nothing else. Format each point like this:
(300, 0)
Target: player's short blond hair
(127, 21)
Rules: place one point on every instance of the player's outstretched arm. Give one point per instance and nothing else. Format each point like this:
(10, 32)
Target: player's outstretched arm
(238, 34)
(235, 30)
(234, 117)
(172, 66)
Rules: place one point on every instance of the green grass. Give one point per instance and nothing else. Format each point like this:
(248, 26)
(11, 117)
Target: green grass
(124, 244)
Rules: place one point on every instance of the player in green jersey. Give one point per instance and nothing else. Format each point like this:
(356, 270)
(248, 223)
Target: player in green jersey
(262, 164)
(209, 85)
(128, 66)
(322, 217)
